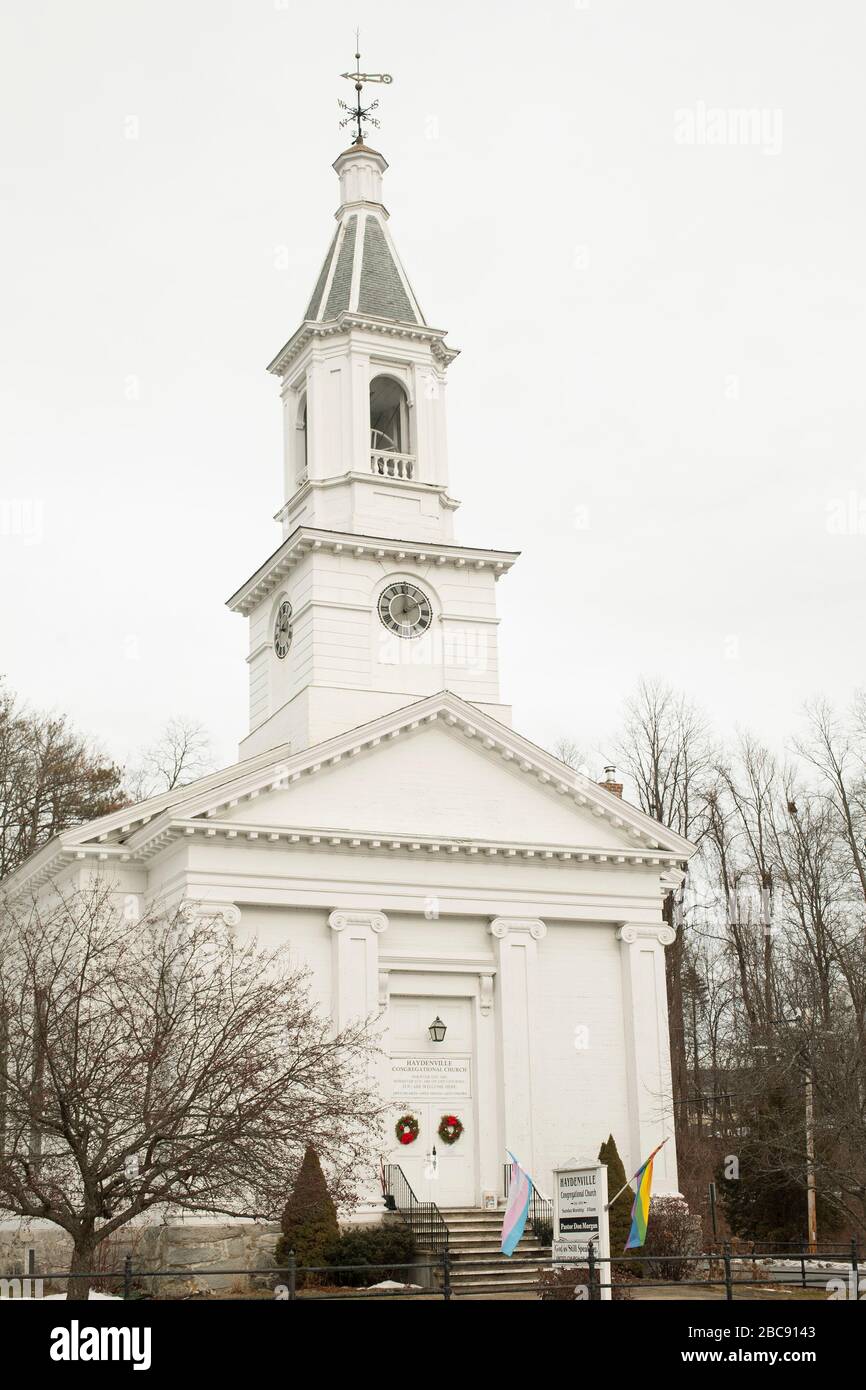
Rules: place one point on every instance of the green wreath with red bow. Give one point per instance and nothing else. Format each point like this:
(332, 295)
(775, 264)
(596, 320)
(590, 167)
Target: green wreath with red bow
(406, 1129)
(450, 1129)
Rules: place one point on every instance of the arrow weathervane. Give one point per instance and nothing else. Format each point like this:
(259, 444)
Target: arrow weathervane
(358, 115)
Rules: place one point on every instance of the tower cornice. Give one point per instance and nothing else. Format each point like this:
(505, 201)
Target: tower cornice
(308, 538)
(309, 329)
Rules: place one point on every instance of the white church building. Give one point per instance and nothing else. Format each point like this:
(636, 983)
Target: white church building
(422, 858)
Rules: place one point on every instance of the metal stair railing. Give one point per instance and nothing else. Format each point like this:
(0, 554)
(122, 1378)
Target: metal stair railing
(424, 1219)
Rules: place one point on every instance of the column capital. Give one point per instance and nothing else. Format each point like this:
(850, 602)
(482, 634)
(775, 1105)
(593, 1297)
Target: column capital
(375, 921)
(501, 927)
(631, 932)
(229, 913)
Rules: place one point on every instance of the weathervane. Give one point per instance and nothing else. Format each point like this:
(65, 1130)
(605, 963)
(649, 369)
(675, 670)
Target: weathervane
(359, 114)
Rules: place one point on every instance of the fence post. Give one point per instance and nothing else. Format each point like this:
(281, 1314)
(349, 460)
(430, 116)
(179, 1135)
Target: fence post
(591, 1262)
(446, 1273)
(855, 1292)
(729, 1287)
(292, 1272)
(127, 1277)
(802, 1265)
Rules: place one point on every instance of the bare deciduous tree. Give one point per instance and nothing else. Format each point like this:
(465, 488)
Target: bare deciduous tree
(180, 755)
(161, 1063)
(665, 751)
(571, 753)
(51, 778)
(767, 977)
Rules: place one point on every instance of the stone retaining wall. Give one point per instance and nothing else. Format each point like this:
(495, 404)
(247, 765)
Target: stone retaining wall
(186, 1246)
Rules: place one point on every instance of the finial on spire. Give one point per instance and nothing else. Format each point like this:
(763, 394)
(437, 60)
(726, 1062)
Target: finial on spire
(360, 115)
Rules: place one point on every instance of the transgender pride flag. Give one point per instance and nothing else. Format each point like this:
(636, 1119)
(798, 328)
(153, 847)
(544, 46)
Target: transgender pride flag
(519, 1193)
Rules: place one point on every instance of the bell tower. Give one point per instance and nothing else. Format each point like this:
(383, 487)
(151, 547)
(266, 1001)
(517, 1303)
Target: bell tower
(363, 383)
(369, 603)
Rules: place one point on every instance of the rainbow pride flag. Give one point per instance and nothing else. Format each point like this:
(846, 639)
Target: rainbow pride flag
(641, 1204)
(519, 1193)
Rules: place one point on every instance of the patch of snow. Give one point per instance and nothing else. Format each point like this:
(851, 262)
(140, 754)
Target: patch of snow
(112, 1297)
(810, 1264)
(393, 1284)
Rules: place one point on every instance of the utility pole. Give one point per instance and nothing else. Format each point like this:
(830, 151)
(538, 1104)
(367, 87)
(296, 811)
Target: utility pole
(803, 1057)
(811, 1204)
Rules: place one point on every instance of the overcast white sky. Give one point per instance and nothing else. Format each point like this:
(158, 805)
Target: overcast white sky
(660, 397)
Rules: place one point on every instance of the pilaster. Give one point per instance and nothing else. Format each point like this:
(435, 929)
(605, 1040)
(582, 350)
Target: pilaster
(355, 980)
(516, 947)
(647, 1048)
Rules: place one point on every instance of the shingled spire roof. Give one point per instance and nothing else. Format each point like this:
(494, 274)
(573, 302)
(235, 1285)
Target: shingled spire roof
(362, 273)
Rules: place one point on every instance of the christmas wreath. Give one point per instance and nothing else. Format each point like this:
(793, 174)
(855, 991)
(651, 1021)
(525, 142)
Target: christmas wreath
(406, 1129)
(450, 1129)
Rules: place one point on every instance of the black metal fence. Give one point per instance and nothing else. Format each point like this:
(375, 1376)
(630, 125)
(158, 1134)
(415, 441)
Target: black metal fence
(721, 1269)
(716, 1270)
(283, 1283)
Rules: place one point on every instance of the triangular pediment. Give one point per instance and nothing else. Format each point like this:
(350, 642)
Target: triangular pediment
(431, 781)
(437, 774)
(439, 768)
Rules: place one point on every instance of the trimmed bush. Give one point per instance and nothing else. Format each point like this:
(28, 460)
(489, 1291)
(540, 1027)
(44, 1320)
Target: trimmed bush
(372, 1245)
(572, 1285)
(309, 1220)
(672, 1234)
(619, 1216)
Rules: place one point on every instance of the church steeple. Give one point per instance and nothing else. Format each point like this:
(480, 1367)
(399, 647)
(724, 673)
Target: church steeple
(363, 382)
(362, 273)
(368, 603)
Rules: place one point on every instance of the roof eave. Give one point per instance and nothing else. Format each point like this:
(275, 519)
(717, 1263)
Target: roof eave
(245, 598)
(347, 320)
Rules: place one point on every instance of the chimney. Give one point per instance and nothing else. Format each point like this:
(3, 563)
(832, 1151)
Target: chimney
(610, 783)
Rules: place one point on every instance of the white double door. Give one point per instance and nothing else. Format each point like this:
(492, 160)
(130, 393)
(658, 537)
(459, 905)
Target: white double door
(431, 1082)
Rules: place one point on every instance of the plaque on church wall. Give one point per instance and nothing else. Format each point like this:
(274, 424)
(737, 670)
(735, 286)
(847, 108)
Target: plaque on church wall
(420, 1076)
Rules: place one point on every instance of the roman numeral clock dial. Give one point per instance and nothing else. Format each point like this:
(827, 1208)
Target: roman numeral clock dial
(405, 610)
(283, 630)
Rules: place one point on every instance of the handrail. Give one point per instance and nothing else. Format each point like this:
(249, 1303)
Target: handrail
(424, 1219)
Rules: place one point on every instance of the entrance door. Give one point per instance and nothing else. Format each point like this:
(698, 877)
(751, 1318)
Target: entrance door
(432, 1083)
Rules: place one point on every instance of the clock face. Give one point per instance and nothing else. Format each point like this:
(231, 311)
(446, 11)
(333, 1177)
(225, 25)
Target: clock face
(283, 630)
(405, 610)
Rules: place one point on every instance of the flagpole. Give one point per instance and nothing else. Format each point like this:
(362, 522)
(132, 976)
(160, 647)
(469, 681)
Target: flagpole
(609, 1204)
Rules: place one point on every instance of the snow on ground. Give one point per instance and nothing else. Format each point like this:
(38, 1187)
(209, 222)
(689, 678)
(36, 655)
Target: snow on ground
(392, 1284)
(108, 1297)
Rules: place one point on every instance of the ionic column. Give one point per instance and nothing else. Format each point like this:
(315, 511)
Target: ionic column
(517, 941)
(647, 1049)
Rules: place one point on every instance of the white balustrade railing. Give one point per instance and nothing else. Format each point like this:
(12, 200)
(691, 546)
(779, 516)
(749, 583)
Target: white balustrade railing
(387, 464)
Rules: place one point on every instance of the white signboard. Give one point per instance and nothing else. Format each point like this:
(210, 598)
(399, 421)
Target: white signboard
(580, 1216)
(569, 1253)
(422, 1077)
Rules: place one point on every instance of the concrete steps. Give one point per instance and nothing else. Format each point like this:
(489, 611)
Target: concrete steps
(478, 1266)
